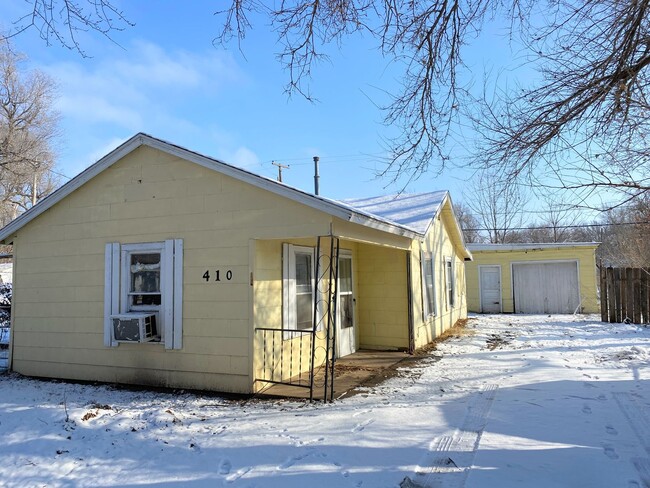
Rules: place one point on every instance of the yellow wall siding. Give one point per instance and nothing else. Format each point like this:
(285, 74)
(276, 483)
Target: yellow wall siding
(225, 225)
(147, 196)
(382, 304)
(276, 357)
(587, 274)
(438, 242)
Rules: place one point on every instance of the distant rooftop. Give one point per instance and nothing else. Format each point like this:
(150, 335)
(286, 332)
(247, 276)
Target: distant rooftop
(528, 246)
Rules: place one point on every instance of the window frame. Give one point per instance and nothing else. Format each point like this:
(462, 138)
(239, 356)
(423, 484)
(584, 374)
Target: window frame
(429, 307)
(450, 283)
(126, 251)
(169, 316)
(289, 289)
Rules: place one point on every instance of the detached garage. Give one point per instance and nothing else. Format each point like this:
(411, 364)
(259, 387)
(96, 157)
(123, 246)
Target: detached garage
(551, 278)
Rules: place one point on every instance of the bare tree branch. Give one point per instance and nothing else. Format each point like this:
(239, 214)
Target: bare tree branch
(28, 130)
(63, 20)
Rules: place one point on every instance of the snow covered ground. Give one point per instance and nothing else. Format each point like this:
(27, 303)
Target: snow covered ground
(531, 401)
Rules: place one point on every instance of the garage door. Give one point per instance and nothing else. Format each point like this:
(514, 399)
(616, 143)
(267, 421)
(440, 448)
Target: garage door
(546, 287)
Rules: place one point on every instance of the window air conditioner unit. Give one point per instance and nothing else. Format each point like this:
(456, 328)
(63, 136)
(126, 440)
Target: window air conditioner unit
(134, 327)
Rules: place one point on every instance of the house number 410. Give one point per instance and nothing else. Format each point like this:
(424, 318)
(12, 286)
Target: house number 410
(217, 275)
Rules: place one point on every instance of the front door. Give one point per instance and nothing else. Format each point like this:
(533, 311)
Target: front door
(346, 336)
(490, 280)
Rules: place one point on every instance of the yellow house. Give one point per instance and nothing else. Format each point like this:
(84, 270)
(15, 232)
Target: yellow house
(533, 278)
(161, 266)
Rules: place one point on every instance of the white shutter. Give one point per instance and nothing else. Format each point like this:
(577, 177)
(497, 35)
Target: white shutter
(288, 288)
(111, 289)
(425, 306)
(178, 294)
(168, 289)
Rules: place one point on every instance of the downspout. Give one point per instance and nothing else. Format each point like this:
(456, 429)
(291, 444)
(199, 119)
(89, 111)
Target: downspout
(409, 298)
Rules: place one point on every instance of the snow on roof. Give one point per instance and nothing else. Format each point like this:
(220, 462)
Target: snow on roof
(414, 210)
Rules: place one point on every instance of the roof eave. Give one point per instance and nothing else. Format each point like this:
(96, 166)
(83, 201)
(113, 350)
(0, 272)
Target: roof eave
(64, 190)
(458, 232)
(142, 139)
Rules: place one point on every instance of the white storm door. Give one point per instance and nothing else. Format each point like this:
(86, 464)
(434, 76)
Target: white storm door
(345, 326)
(490, 282)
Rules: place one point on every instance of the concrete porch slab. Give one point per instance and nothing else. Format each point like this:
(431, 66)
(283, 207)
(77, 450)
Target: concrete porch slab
(358, 369)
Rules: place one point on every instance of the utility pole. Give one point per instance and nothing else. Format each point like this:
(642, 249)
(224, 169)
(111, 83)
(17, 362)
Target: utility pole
(280, 166)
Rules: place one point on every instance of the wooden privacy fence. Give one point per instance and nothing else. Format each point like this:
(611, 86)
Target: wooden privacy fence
(625, 295)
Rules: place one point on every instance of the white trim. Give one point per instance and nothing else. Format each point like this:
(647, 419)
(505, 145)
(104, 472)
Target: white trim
(346, 254)
(331, 207)
(450, 280)
(289, 289)
(178, 294)
(124, 283)
(458, 231)
(111, 289)
(286, 284)
(480, 297)
(423, 291)
(426, 313)
(167, 291)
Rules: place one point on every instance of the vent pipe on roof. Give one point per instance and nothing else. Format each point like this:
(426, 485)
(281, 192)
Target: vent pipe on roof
(316, 176)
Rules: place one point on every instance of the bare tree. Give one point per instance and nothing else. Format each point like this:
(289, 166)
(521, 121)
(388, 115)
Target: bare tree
(626, 237)
(558, 223)
(585, 124)
(498, 204)
(28, 130)
(469, 224)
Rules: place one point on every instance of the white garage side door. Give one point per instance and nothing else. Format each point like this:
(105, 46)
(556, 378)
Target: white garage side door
(546, 287)
(490, 283)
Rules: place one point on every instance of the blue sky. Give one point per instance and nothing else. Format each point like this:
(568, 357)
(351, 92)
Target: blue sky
(164, 77)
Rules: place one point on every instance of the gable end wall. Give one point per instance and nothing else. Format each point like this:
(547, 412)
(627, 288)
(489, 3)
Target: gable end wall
(147, 196)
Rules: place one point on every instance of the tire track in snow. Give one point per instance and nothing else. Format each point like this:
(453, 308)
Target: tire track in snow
(637, 418)
(463, 443)
(640, 423)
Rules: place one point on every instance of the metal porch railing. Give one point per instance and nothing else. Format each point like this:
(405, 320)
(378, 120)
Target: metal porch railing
(289, 356)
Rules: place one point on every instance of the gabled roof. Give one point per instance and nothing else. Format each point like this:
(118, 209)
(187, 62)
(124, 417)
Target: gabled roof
(411, 210)
(416, 211)
(404, 215)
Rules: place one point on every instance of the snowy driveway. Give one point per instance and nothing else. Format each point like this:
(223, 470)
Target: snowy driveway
(529, 401)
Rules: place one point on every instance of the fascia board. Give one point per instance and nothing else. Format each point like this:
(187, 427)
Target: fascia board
(250, 178)
(366, 221)
(76, 182)
(141, 139)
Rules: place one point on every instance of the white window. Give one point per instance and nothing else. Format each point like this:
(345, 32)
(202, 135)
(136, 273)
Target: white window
(146, 278)
(428, 284)
(298, 284)
(449, 276)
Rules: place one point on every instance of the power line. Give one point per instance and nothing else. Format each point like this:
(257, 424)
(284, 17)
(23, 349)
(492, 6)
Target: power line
(60, 174)
(331, 159)
(581, 226)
